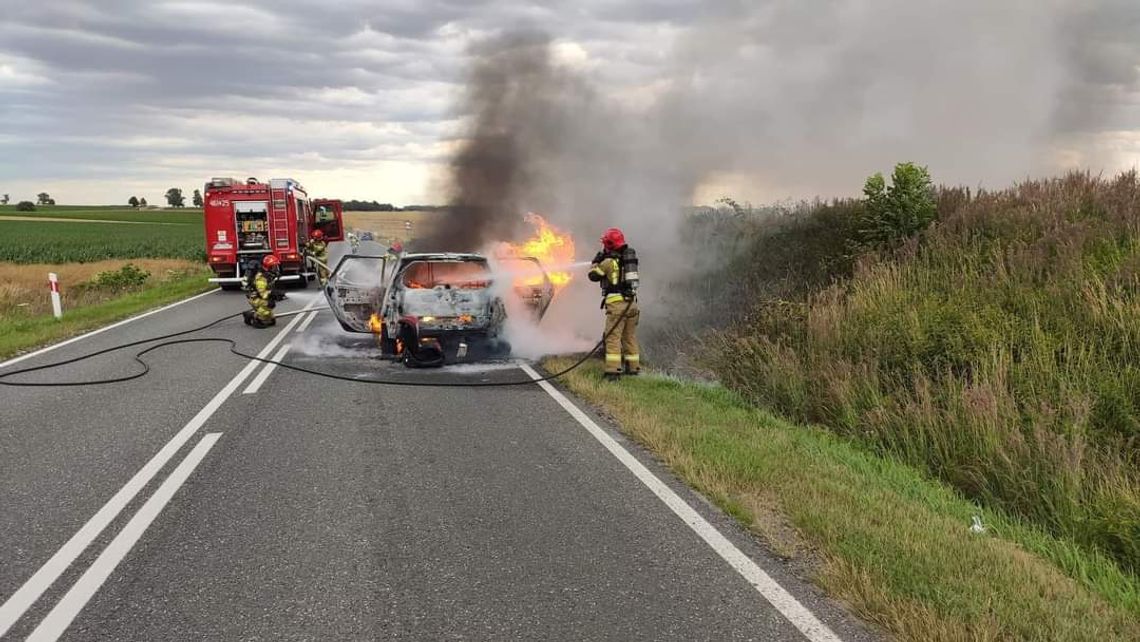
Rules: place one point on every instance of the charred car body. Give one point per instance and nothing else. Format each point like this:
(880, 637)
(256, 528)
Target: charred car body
(429, 309)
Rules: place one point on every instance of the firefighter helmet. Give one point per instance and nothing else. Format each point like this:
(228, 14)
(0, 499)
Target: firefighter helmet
(270, 262)
(316, 235)
(613, 239)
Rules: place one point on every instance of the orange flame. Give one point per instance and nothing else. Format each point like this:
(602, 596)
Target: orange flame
(374, 324)
(553, 248)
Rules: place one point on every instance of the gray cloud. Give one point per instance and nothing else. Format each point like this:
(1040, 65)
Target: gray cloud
(807, 97)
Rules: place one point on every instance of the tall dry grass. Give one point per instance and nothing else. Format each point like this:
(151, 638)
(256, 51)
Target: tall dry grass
(24, 287)
(1001, 353)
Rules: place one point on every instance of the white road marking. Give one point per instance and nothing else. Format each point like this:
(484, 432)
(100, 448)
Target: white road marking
(784, 602)
(103, 329)
(255, 385)
(309, 319)
(257, 382)
(61, 617)
(20, 601)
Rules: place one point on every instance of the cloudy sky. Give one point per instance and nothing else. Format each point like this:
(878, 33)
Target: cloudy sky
(103, 99)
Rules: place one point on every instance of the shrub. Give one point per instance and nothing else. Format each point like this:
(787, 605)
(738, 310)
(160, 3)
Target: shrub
(25, 206)
(124, 278)
(892, 214)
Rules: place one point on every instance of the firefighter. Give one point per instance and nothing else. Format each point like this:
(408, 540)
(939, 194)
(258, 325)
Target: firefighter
(396, 249)
(262, 297)
(319, 250)
(615, 268)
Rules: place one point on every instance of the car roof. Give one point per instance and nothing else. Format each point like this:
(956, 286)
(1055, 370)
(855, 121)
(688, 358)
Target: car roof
(443, 256)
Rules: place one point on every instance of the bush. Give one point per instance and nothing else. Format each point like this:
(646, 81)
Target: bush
(890, 215)
(25, 206)
(127, 277)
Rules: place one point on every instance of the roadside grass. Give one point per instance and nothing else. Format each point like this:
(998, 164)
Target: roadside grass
(185, 216)
(998, 352)
(893, 544)
(24, 332)
(24, 288)
(65, 242)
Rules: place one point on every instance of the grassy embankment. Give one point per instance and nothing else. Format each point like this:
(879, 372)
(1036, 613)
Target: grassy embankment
(995, 352)
(79, 252)
(878, 534)
(1000, 352)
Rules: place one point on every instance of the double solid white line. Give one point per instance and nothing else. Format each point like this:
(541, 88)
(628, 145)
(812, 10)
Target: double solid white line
(25, 596)
(262, 376)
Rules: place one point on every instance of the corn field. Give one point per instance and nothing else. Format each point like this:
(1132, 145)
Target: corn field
(68, 242)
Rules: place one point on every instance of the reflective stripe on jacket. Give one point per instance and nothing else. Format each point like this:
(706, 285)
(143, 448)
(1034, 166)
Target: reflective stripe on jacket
(609, 271)
(262, 286)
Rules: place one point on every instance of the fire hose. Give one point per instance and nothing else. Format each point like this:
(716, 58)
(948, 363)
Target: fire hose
(170, 340)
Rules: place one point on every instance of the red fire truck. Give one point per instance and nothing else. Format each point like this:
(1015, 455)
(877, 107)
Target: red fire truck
(246, 221)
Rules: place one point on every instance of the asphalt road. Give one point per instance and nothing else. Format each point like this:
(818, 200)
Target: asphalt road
(222, 499)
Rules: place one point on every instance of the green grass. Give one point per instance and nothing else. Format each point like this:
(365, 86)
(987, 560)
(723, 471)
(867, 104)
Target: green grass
(62, 242)
(999, 352)
(880, 535)
(186, 216)
(19, 335)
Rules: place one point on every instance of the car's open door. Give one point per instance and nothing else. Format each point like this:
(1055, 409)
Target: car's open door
(531, 283)
(327, 215)
(355, 289)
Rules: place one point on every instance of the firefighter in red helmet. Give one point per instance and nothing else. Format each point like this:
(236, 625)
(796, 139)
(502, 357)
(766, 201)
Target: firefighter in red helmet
(615, 268)
(262, 297)
(318, 249)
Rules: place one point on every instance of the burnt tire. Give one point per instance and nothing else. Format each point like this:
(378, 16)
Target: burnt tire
(417, 355)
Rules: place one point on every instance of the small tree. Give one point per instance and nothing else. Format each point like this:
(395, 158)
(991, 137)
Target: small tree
(25, 206)
(142, 202)
(42, 198)
(133, 201)
(50, 201)
(892, 214)
(198, 198)
(4, 199)
(175, 198)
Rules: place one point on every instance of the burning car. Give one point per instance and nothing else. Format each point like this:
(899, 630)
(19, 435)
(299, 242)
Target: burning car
(431, 308)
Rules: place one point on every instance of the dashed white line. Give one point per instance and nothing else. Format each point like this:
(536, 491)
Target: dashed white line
(20, 601)
(783, 601)
(103, 329)
(69, 606)
(309, 319)
(255, 385)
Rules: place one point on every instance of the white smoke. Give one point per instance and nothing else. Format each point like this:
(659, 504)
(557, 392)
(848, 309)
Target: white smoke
(775, 100)
(556, 333)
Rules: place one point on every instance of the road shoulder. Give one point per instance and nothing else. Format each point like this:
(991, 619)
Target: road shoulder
(877, 535)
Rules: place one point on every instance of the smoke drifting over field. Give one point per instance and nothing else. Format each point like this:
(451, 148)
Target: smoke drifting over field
(793, 99)
(784, 99)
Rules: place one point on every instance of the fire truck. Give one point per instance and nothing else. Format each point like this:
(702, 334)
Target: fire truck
(246, 221)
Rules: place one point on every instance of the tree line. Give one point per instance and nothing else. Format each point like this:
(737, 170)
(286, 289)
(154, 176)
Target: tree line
(173, 196)
(373, 206)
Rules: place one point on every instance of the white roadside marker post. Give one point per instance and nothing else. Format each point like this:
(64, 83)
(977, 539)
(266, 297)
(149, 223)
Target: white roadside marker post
(56, 304)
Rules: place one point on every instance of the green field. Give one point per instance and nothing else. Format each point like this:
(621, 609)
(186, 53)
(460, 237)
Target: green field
(185, 216)
(65, 242)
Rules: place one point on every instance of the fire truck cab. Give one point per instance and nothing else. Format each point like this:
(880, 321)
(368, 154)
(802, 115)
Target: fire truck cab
(246, 221)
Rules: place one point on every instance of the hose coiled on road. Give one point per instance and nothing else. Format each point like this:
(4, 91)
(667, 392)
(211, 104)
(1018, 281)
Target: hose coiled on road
(164, 342)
